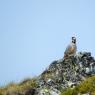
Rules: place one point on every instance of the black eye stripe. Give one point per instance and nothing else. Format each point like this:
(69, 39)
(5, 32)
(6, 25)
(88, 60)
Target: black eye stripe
(73, 38)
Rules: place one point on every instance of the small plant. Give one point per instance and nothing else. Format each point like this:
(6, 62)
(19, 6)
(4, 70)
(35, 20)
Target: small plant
(19, 88)
(86, 86)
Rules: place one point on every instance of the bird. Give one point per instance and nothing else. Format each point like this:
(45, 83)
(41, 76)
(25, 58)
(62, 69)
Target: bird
(71, 48)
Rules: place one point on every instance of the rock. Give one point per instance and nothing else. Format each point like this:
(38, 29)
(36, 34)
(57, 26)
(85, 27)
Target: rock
(30, 91)
(44, 91)
(67, 73)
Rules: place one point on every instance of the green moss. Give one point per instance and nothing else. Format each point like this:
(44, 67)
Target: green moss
(86, 86)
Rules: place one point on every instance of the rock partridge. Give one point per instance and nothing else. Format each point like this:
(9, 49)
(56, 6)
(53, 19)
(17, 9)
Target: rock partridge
(71, 48)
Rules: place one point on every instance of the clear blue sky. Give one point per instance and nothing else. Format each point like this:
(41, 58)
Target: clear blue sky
(33, 33)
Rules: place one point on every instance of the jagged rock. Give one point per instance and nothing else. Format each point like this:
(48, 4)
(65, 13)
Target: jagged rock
(69, 72)
(30, 92)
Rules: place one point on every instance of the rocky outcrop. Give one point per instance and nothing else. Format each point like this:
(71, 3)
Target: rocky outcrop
(66, 73)
(62, 74)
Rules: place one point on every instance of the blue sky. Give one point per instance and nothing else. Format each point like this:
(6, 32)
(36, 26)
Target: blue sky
(33, 33)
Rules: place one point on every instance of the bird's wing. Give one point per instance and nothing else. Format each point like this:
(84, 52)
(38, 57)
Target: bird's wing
(68, 49)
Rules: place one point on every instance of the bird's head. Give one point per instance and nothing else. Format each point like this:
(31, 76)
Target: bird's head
(74, 40)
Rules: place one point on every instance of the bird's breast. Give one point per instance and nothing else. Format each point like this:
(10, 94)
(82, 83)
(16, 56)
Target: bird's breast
(72, 50)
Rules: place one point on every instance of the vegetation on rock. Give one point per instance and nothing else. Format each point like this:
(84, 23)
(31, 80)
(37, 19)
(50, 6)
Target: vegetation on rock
(87, 86)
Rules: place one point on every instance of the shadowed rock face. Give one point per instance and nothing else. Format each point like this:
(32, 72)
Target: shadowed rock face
(62, 74)
(30, 92)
